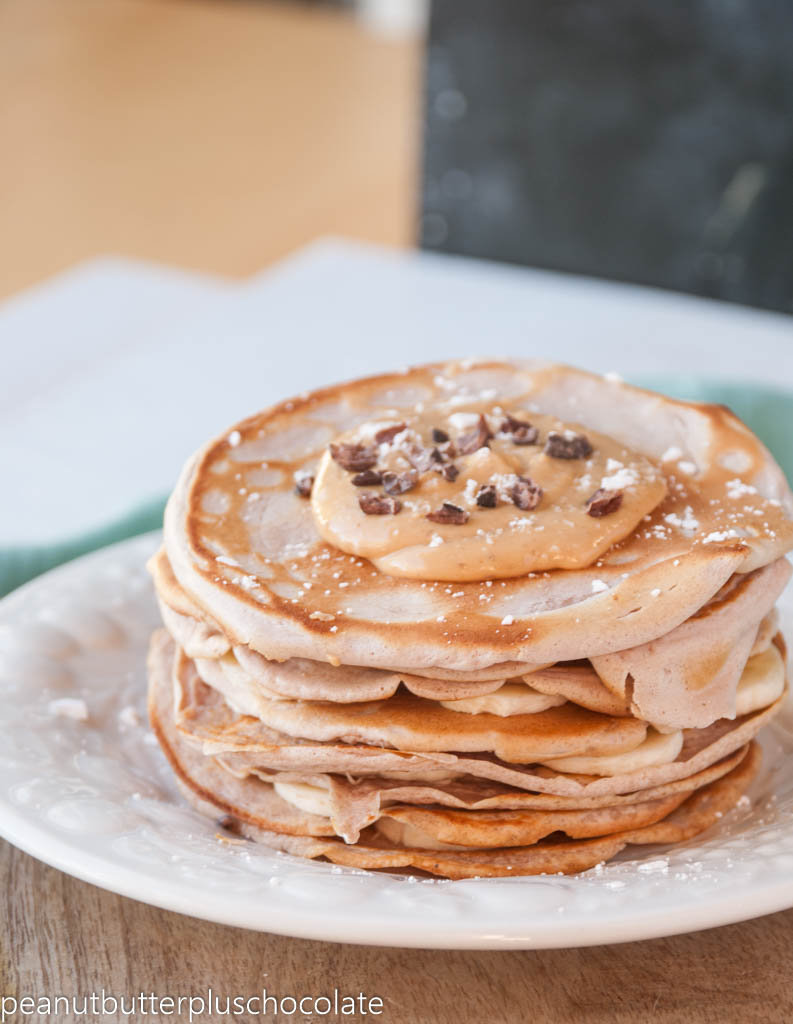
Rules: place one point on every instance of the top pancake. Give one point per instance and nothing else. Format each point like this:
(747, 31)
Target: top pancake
(245, 547)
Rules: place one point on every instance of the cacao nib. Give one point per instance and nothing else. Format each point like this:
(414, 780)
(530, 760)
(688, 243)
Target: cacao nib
(387, 434)
(474, 439)
(379, 504)
(439, 436)
(560, 447)
(449, 472)
(521, 431)
(486, 496)
(368, 478)
(604, 502)
(419, 458)
(525, 494)
(424, 459)
(354, 457)
(399, 483)
(449, 514)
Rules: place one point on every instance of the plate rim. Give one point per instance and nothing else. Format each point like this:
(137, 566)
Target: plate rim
(305, 924)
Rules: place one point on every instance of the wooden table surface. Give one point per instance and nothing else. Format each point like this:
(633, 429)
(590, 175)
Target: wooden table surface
(220, 136)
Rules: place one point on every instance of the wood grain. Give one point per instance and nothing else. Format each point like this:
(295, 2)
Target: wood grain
(211, 135)
(65, 936)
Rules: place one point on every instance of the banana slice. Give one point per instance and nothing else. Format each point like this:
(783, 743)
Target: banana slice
(657, 748)
(411, 837)
(763, 680)
(308, 798)
(509, 699)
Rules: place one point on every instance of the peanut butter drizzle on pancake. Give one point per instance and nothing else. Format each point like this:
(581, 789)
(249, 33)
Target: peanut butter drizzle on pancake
(499, 539)
(246, 548)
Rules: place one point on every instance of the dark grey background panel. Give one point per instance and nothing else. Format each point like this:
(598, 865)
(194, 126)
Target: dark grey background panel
(628, 139)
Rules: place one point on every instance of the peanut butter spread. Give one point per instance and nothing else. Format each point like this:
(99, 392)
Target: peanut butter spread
(480, 493)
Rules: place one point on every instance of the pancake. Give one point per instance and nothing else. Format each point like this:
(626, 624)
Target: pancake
(408, 723)
(578, 682)
(206, 722)
(702, 810)
(254, 809)
(474, 619)
(405, 721)
(244, 546)
(702, 660)
(436, 828)
(728, 622)
(689, 677)
(354, 805)
(200, 637)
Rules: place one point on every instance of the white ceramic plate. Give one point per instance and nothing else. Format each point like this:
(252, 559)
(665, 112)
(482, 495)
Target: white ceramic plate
(95, 798)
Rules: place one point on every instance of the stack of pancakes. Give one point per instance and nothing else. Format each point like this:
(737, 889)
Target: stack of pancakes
(479, 618)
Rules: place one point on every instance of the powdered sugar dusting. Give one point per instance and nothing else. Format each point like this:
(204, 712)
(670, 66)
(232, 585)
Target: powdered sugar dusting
(686, 522)
(719, 535)
(621, 478)
(737, 488)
